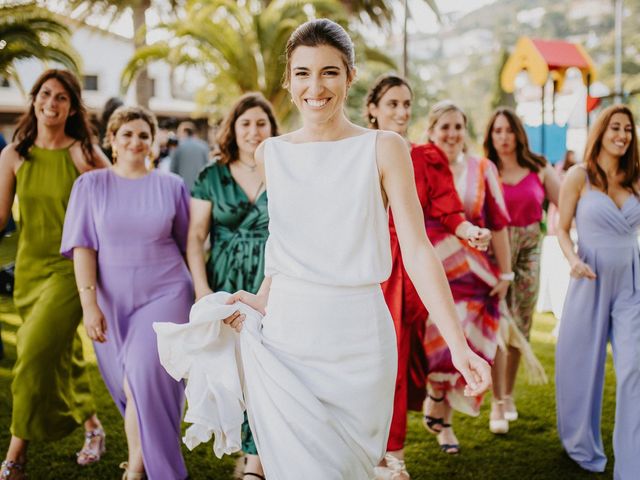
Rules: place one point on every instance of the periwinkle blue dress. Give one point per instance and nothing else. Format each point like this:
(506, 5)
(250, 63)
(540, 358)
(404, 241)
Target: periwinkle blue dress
(596, 311)
(138, 228)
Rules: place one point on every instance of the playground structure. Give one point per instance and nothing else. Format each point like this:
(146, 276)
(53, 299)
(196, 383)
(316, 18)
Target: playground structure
(544, 61)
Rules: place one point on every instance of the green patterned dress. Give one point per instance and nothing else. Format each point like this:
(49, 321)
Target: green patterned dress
(51, 394)
(239, 230)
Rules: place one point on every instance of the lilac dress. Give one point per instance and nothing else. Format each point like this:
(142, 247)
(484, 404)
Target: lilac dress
(596, 312)
(138, 228)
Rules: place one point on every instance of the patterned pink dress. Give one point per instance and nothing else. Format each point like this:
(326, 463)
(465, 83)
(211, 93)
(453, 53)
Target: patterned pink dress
(471, 274)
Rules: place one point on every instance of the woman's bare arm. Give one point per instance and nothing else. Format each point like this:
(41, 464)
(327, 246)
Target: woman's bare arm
(420, 260)
(199, 225)
(572, 186)
(9, 161)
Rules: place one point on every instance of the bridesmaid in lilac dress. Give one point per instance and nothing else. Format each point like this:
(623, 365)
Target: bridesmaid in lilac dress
(603, 301)
(126, 228)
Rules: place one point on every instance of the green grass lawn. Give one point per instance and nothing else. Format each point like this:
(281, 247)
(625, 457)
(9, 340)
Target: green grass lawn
(531, 450)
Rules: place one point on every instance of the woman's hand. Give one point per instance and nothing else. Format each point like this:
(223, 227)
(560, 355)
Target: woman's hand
(235, 320)
(257, 302)
(478, 238)
(500, 289)
(476, 372)
(579, 269)
(95, 323)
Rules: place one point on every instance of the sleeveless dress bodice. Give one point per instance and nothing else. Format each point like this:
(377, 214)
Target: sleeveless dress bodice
(51, 390)
(43, 186)
(607, 235)
(328, 223)
(524, 200)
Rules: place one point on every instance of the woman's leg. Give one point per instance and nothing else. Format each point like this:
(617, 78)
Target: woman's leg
(252, 465)
(17, 451)
(625, 341)
(510, 374)
(447, 437)
(497, 421)
(136, 464)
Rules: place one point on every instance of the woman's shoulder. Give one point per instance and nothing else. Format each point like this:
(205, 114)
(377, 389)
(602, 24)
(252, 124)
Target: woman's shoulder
(430, 155)
(91, 182)
(10, 154)
(170, 179)
(94, 176)
(576, 176)
(212, 172)
(485, 164)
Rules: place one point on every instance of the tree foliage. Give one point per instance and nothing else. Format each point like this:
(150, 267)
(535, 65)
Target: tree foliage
(238, 46)
(29, 31)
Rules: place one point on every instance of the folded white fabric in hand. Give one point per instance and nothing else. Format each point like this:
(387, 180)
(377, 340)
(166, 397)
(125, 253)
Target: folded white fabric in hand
(205, 353)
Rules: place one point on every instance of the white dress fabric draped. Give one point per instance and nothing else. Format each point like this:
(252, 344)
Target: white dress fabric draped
(317, 373)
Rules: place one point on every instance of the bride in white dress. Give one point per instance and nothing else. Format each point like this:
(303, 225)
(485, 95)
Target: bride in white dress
(318, 370)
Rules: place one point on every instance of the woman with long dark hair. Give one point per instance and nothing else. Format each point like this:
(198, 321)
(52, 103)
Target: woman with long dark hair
(229, 204)
(603, 300)
(51, 147)
(527, 180)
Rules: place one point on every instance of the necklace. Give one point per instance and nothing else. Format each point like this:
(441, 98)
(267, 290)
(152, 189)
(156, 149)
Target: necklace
(251, 167)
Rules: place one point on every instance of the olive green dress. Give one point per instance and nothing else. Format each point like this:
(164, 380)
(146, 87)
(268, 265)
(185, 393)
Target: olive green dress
(51, 394)
(239, 231)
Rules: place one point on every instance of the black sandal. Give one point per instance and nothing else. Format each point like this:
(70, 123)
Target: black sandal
(430, 422)
(449, 448)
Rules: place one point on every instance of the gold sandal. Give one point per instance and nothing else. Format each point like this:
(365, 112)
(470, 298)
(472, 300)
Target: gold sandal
(127, 475)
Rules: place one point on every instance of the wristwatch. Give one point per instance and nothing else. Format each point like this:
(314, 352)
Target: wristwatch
(509, 277)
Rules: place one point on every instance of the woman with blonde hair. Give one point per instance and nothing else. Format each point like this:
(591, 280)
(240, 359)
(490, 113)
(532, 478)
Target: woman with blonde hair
(478, 280)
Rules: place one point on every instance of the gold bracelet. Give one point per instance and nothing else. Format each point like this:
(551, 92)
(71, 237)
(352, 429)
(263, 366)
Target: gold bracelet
(87, 288)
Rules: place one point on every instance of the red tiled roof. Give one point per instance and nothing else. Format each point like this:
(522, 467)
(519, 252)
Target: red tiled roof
(560, 54)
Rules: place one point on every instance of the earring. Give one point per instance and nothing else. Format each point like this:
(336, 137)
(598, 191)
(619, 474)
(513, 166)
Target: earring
(374, 120)
(114, 154)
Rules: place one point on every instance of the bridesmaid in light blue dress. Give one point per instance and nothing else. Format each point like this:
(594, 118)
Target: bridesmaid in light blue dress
(603, 301)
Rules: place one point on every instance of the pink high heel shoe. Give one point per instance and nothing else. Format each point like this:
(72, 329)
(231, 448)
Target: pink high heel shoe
(91, 450)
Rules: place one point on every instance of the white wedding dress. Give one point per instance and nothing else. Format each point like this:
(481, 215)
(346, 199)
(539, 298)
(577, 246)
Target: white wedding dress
(317, 373)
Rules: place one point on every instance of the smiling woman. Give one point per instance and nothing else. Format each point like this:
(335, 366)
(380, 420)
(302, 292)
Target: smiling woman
(603, 300)
(229, 204)
(319, 370)
(126, 229)
(52, 146)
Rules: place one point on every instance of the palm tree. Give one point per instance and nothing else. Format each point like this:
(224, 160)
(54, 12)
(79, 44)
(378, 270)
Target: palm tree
(29, 31)
(238, 47)
(113, 10)
(380, 12)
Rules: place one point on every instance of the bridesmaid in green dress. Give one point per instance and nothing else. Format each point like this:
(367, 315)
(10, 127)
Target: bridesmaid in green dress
(51, 395)
(229, 203)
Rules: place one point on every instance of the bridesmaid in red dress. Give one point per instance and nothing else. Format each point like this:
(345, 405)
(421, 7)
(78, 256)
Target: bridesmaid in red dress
(388, 107)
